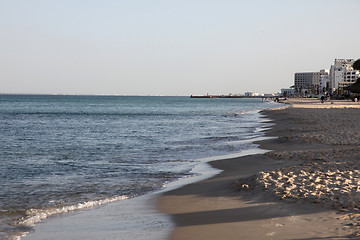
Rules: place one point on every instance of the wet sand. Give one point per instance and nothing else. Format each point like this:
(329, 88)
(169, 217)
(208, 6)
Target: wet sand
(248, 201)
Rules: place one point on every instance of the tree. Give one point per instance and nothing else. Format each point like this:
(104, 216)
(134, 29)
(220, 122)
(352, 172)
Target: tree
(356, 64)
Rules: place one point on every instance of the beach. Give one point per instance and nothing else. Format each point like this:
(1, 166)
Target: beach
(305, 187)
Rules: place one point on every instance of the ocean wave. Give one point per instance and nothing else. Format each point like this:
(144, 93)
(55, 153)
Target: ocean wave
(241, 113)
(34, 216)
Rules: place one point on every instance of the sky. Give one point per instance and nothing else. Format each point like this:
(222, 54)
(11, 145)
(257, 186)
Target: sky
(170, 47)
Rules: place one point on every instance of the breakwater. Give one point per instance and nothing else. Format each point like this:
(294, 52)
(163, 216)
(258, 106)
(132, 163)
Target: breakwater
(228, 96)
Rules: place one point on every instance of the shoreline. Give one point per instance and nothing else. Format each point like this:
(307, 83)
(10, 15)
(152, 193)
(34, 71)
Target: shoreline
(134, 218)
(101, 222)
(146, 221)
(226, 207)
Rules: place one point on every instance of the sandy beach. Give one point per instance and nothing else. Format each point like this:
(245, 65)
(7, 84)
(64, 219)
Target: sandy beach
(306, 188)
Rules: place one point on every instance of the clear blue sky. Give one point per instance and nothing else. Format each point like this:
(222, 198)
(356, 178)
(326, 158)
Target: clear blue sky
(170, 47)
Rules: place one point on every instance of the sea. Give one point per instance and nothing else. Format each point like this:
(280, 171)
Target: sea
(62, 153)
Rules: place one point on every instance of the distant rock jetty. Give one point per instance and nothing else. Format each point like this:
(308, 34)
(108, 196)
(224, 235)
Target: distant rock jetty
(226, 96)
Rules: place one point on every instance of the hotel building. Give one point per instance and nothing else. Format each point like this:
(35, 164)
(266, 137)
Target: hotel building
(342, 73)
(309, 80)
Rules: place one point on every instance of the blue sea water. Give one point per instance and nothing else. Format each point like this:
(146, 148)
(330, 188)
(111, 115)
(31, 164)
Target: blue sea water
(62, 153)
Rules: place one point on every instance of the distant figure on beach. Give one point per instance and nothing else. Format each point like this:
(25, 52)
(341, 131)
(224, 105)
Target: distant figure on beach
(322, 99)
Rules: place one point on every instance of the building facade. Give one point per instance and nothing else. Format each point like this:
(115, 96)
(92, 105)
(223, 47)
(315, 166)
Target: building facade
(342, 74)
(251, 94)
(305, 80)
(287, 92)
(309, 81)
(324, 84)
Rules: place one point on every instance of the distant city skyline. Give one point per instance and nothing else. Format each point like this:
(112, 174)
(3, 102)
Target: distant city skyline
(159, 47)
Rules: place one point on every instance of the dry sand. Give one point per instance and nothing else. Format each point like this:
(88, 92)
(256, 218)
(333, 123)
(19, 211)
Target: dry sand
(307, 188)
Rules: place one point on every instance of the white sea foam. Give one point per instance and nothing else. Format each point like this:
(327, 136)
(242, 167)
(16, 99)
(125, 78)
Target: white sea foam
(37, 215)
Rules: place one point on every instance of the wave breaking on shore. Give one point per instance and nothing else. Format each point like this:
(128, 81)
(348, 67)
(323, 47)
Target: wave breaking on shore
(34, 216)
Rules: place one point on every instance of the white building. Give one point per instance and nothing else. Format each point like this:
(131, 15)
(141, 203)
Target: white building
(287, 92)
(251, 94)
(350, 77)
(342, 73)
(324, 81)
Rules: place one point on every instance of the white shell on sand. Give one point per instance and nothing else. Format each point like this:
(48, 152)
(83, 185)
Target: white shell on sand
(330, 174)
